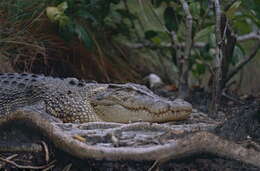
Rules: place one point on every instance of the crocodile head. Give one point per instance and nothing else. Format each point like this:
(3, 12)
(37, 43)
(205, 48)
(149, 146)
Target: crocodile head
(131, 102)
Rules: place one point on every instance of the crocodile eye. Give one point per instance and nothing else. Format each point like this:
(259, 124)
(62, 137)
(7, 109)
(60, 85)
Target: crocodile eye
(35, 76)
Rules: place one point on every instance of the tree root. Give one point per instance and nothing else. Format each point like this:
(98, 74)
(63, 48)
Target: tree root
(136, 141)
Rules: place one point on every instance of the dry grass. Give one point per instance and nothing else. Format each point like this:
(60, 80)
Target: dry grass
(32, 44)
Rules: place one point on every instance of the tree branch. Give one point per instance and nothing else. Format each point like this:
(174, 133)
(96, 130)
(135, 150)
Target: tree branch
(184, 67)
(249, 36)
(217, 61)
(243, 63)
(242, 38)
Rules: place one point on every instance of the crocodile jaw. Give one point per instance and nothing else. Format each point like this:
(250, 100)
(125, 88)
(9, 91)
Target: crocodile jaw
(116, 112)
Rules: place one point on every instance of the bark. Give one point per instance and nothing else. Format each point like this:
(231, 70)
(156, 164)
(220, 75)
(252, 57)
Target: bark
(216, 91)
(184, 61)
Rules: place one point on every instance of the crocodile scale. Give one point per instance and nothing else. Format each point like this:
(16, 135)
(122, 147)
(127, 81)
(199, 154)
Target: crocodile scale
(76, 101)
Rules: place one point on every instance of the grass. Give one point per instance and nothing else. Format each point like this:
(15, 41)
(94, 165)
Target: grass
(30, 43)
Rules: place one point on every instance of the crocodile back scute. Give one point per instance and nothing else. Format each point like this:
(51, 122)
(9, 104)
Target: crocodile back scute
(63, 98)
(17, 90)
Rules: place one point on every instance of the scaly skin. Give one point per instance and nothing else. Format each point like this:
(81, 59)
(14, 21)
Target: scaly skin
(76, 101)
(132, 102)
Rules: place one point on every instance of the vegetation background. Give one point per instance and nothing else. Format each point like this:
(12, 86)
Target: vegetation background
(121, 41)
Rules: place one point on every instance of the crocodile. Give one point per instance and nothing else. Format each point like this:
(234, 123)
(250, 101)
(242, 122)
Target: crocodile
(48, 103)
(77, 101)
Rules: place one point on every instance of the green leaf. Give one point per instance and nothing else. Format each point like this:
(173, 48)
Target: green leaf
(53, 13)
(230, 13)
(63, 20)
(201, 68)
(242, 26)
(170, 19)
(63, 6)
(205, 52)
(126, 14)
(83, 35)
(238, 54)
(156, 40)
(204, 33)
(195, 9)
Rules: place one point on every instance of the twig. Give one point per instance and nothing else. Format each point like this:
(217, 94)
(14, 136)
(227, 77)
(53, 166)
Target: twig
(154, 166)
(25, 166)
(242, 38)
(232, 98)
(49, 168)
(8, 158)
(162, 45)
(67, 168)
(249, 36)
(46, 151)
(243, 63)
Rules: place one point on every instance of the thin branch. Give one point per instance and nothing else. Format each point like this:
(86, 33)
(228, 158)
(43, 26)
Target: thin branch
(242, 38)
(249, 36)
(188, 23)
(162, 45)
(8, 158)
(184, 68)
(218, 22)
(46, 151)
(24, 166)
(217, 61)
(229, 4)
(243, 63)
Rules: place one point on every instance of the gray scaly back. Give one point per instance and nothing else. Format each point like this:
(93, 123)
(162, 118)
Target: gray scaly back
(65, 99)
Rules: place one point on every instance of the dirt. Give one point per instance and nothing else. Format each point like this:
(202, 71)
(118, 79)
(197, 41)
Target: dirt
(241, 124)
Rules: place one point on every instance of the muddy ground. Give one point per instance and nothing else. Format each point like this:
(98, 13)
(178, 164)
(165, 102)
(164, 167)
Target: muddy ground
(241, 119)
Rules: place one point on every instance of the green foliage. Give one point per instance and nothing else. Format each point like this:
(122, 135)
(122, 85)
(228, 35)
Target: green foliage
(243, 14)
(73, 17)
(243, 17)
(171, 19)
(88, 20)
